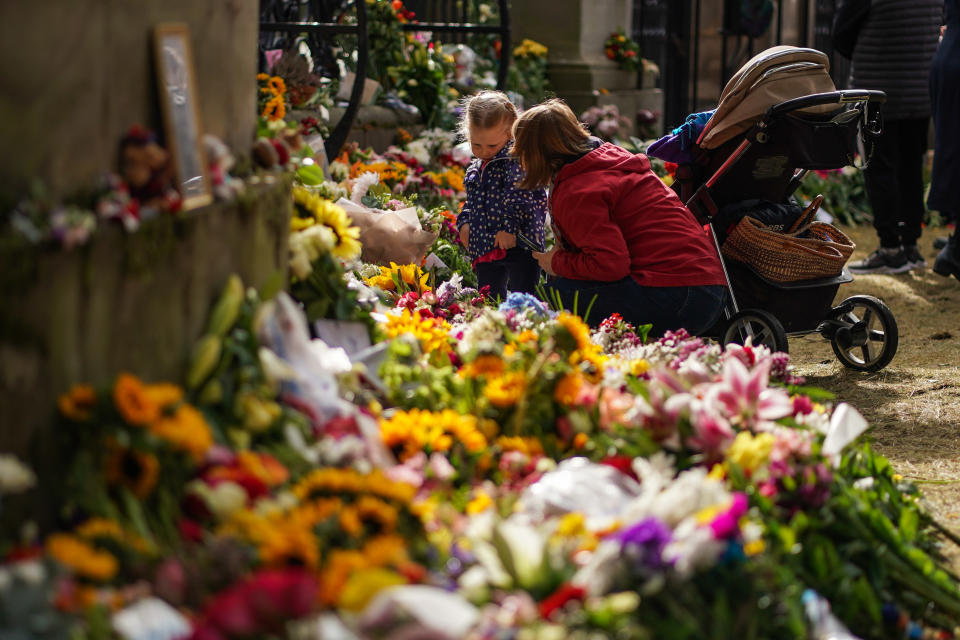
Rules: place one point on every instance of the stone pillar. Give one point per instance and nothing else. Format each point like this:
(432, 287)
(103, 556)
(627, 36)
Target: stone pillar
(574, 32)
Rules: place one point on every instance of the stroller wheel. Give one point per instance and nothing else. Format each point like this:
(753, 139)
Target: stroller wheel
(866, 336)
(758, 324)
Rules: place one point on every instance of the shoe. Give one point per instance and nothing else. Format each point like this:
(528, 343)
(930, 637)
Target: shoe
(914, 259)
(940, 242)
(882, 261)
(947, 264)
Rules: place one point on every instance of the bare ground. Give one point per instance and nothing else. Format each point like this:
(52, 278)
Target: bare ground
(913, 404)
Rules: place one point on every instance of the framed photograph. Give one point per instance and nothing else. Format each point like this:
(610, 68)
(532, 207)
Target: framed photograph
(177, 88)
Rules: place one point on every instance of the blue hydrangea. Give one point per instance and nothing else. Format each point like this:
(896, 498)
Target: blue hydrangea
(517, 301)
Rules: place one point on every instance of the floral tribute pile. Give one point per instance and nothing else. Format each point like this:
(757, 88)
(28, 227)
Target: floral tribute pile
(476, 470)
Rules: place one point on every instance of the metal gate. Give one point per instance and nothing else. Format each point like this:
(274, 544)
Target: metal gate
(666, 31)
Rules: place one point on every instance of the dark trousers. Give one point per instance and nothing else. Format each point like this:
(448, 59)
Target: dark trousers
(695, 309)
(519, 271)
(894, 181)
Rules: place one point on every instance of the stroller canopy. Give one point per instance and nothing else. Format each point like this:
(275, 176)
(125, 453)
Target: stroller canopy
(770, 77)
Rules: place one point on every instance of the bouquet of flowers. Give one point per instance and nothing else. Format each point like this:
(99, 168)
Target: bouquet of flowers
(623, 50)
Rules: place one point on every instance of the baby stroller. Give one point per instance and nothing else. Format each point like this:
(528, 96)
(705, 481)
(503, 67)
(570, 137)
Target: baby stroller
(778, 118)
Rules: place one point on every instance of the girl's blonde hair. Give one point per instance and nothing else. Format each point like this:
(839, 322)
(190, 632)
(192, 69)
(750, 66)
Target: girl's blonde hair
(485, 110)
(544, 138)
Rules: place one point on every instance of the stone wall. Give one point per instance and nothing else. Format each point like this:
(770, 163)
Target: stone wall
(124, 302)
(76, 74)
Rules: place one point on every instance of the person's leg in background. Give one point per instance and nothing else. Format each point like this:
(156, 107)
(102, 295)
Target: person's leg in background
(494, 274)
(948, 260)
(913, 148)
(883, 192)
(523, 269)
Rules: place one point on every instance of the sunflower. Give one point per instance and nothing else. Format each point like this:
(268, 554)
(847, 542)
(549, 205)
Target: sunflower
(505, 390)
(133, 402)
(81, 558)
(103, 529)
(186, 430)
(78, 403)
(310, 206)
(164, 394)
(275, 109)
(288, 540)
(432, 333)
(277, 86)
(577, 329)
(135, 470)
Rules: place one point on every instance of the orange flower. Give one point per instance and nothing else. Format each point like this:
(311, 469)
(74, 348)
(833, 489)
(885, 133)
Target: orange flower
(186, 430)
(164, 394)
(78, 403)
(568, 389)
(133, 402)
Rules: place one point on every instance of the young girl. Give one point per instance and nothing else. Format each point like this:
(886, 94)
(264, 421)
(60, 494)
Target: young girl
(500, 224)
(623, 235)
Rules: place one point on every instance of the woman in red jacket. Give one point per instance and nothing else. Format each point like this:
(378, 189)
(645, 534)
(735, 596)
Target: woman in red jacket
(622, 234)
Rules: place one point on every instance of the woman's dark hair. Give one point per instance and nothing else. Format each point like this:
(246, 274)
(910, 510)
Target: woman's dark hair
(544, 138)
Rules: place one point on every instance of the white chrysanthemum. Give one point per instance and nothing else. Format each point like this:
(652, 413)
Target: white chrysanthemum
(418, 149)
(692, 548)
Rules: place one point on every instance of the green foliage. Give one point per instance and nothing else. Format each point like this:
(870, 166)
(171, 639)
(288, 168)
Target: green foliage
(844, 195)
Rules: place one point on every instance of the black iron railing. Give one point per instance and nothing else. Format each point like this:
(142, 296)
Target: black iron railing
(284, 22)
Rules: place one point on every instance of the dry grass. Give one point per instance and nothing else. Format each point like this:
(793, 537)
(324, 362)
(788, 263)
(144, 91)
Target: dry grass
(913, 404)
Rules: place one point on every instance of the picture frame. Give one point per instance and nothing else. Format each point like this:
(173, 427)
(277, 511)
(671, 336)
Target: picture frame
(177, 88)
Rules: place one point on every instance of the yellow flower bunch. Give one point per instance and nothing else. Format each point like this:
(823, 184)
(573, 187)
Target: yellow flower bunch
(530, 49)
(274, 89)
(390, 172)
(452, 178)
(505, 390)
(410, 275)
(82, 558)
(432, 333)
(480, 503)
(325, 482)
(281, 537)
(749, 451)
(311, 209)
(410, 432)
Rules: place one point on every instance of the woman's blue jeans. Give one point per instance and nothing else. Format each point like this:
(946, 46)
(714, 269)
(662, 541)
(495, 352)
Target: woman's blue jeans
(695, 309)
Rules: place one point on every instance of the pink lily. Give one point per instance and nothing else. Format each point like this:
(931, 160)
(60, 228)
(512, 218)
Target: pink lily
(743, 395)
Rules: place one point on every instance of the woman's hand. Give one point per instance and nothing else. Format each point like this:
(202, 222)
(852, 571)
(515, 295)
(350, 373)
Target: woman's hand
(546, 260)
(504, 240)
(465, 235)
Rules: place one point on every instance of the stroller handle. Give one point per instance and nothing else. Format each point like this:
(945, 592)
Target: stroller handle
(831, 97)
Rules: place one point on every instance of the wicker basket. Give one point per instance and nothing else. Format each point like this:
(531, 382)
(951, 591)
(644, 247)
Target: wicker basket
(817, 250)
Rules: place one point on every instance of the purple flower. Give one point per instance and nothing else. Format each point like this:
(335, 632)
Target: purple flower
(644, 542)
